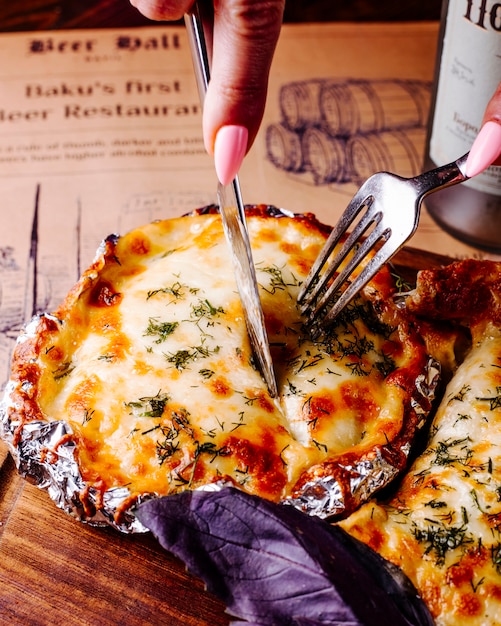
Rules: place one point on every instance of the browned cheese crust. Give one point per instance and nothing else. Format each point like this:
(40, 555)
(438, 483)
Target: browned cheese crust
(443, 524)
(148, 362)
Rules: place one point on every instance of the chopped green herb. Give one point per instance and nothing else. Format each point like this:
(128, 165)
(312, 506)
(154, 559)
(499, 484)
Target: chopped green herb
(249, 401)
(160, 329)
(453, 451)
(496, 556)
(239, 423)
(401, 284)
(64, 369)
(320, 446)
(169, 252)
(106, 357)
(357, 368)
(205, 309)
(176, 289)
(309, 360)
(206, 373)
(277, 280)
(475, 586)
(284, 463)
(88, 413)
(436, 504)
(292, 390)
(386, 366)
(182, 358)
(210, 448)
(169, 443)
(150, 430)
(461, 417)
(494, 401)
(460, 396)
(151, 406)
(167, 446)
(440, 539)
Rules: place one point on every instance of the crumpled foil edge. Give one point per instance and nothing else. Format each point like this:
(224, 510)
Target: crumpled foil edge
(324, 497)
(45, 454)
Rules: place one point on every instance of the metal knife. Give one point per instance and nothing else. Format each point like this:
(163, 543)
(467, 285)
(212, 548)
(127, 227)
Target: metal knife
(233, 217)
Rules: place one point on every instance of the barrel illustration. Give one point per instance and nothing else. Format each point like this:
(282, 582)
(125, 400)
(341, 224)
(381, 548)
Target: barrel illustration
(325, 155)
(299, 104)
(365, 107)
(283, 147)
(345, 130)
(393, 151)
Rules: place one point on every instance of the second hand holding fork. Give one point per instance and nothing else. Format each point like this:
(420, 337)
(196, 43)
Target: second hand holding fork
(392, 206)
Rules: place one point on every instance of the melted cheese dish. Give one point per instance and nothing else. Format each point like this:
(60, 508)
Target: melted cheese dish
(149, 363)
(143, 384)
(443, 524)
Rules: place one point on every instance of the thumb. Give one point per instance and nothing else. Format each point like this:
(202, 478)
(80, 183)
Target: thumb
(486, 149)
(493, 114)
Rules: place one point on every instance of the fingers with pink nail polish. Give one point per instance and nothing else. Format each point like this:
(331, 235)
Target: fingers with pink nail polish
(246, 33)
(229, 151)
(485, 149)
(245, 36)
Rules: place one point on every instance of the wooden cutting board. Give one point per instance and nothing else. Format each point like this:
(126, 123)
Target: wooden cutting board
(55, 570)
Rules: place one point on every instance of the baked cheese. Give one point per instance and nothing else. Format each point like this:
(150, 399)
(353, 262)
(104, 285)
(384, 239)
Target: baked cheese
(443, 524)
(149, 362)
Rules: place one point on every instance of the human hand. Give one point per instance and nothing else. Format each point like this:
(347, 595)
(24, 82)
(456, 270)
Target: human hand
(245, 37)
(486, 149)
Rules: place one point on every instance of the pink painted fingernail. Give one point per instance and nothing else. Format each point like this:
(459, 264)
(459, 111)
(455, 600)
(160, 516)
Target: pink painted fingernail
(229, 151)
(485, 149)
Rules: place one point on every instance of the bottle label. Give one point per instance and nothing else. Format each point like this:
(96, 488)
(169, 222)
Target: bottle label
(470, 71)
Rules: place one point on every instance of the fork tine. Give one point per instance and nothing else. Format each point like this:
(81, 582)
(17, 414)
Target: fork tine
(382, 256)
(313, 285)
(322, 291)
(378, 233)
(392, 206)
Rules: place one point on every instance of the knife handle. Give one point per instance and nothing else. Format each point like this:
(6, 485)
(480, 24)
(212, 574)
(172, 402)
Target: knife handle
(200, 42)
(199, 23)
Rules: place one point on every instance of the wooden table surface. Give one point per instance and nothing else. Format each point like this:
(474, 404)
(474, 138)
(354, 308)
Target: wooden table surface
(54, 570)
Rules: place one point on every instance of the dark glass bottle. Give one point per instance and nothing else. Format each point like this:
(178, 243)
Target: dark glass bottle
(468, 70)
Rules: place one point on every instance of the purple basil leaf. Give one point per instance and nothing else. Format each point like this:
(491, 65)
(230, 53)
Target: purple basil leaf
(272, 564)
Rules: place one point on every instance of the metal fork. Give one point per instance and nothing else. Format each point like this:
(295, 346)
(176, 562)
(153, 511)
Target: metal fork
(392, 205)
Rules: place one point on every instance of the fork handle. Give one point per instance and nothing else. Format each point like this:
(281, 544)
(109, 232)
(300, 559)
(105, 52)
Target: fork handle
(441, 177)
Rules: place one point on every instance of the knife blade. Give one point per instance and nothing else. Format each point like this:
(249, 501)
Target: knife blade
(232, 212)
(245, 275)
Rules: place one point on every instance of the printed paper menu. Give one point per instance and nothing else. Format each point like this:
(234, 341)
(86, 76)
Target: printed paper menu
(100, 131)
